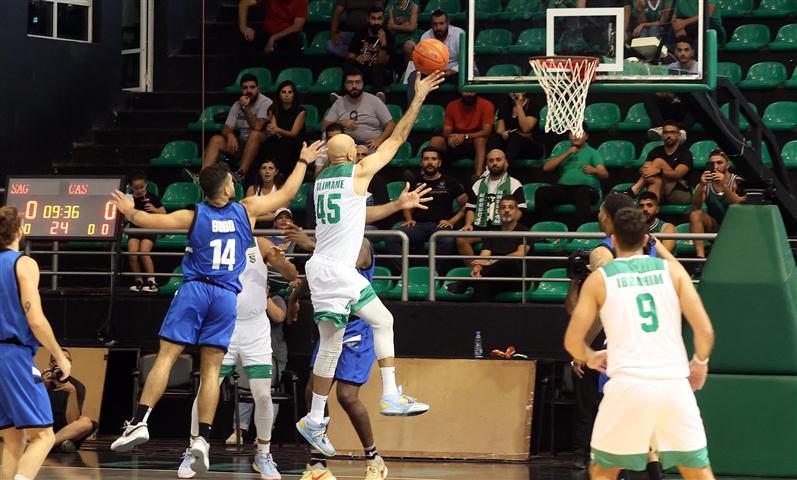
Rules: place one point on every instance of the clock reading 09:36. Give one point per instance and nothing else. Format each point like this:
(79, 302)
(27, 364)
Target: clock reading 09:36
(67, 212)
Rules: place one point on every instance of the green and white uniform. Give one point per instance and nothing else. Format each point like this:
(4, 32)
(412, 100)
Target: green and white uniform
(647, 402)
(336, 288)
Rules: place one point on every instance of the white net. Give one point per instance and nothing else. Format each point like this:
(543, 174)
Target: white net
(566, 83)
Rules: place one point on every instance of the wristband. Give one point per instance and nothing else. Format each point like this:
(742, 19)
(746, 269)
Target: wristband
(304, 161)
(698, 361)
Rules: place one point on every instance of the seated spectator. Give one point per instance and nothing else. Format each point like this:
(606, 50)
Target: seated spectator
(369, 52)
(649, 203)
(419, 224)
(685, 56)
(283, 219)
(71, 427)
(445, 32)
(467, 125)
(580, 171)
(151, 203)
(665, 169)
(364, 116)
(685, 21)
(285, 130)
(717, 189)
(516, 121)
(510, 216)
(281, 31)
(269, 180)
(481, 211)
(356, 12)
(402, 21)
(651, 16)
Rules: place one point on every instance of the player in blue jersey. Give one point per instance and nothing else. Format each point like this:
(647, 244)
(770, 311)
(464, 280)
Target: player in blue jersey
(202, 312)
(24, 405)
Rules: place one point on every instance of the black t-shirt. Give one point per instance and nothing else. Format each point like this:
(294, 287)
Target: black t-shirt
(512, 123)
(681, 156)
(59, 399)
(149, 197)
(503, 245)
(365, 43)
(445, 190)
(286, 118)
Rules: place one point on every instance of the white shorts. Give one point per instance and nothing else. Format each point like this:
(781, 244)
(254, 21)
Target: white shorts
(251, 345)
(336, 290)
(637, 415)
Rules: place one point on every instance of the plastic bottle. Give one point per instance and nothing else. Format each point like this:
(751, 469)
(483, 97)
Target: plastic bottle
(478, 351)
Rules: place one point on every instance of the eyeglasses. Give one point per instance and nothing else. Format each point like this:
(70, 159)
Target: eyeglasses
(353, 115)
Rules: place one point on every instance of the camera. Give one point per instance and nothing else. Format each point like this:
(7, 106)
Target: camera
(578, 265)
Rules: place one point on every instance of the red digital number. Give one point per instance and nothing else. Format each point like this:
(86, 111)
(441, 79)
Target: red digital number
(78, 189)
(110, 210)
(105, 229)
(20, 189)
(31, 209)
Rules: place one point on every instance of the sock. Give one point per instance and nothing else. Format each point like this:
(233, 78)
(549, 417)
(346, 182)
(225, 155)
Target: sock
(654, 470)
(317, 408)
(388, 381)
(264, 448)
(142, 414)
(316, 457)
(204, 431)
(20, 477)
(370, 452)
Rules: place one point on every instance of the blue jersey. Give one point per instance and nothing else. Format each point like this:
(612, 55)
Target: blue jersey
(649, 249)
(14, 326)
(217, 242)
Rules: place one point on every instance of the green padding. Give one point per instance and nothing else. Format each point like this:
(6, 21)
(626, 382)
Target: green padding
(338, 319)
(751, 423)
(749, 288)
(226, 371)
(636, 462)
(258, 371)
(695, 459)
(366, 295)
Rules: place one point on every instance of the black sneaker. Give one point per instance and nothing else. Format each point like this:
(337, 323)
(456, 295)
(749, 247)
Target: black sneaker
(137, 287)
(68, 446)
(456, 288)
(150, 287)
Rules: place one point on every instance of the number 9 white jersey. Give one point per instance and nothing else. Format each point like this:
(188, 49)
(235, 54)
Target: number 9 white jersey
(339, 215)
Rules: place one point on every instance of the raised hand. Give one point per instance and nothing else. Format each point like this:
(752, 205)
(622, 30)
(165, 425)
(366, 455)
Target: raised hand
(123, 203)
(430, 82)
(414, 199)
(311, 152)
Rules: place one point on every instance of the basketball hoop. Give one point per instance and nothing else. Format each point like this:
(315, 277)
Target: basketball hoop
(565, 80)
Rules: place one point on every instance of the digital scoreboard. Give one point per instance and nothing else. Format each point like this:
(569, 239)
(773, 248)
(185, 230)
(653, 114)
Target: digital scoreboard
(75, 208)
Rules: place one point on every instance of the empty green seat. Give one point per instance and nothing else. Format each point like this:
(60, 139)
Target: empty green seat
(402, 156)
(488, 9)
(320, 11)
(789, 154)
(602, 116)
(549, 245)
(792, 82)
(636, 119)
(329, 80)
(764, 75)
(774, 9)
(492, 41)
(451, 7)
(170, 288)
(300, 200)
(785, 39)
(417, 285)
(263, 76)
(381, 285)
(171, 242)
(684, 247)
(643, 155)
(551, 292)
(530, 191)
(395, 112)
(522, 10)
(700, 151)
(239, 192)
(181, 195)
(394, 189)
(301, 76)
(318, 47)
(311, 121)
(530, 41)
(515, 296)
(179, 153)
(210, 119)
(748, 38)
(743, 123)
(504, 70)
(586, 243)
(617, 153)
(442, 294)
(735, 8)
(429, 118)
(621, 187)
(781, 116)
(416, 160)
(732, 71)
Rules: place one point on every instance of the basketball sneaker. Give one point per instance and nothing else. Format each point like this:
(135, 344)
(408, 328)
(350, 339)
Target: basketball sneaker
(200, 453)
(184, 470)
(132, 435)
(316, 434)
(232, 440)
(400, 405)
(264, 464)
(317, 472)
(375, 469)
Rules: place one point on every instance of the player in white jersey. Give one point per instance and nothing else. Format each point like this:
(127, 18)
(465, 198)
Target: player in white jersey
(251, 346)
(648, 401)
(336, 289)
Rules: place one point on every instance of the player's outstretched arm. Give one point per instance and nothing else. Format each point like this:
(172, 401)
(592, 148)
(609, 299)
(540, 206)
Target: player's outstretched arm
(406, 201)
(584, 315)
(177, 220)
(276, 259)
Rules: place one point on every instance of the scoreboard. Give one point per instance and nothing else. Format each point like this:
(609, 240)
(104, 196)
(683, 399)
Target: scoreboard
(56, 208)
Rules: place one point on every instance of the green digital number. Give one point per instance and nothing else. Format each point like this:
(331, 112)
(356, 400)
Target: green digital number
(647, 310)
(327, 210)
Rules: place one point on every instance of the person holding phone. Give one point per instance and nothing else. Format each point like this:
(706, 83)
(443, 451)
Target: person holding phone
(517, 118)
(148, 202)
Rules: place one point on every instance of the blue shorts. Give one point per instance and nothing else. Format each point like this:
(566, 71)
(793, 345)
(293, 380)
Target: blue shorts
(357, 357)
(23, 399)
(200, 314)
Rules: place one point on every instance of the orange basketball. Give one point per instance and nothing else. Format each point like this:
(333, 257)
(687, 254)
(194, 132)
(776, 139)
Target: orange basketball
(430, 55)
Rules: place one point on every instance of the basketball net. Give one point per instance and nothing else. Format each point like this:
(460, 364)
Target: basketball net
(566, 83)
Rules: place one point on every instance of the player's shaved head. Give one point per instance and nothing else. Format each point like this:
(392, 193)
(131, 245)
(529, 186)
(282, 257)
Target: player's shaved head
(341, 148)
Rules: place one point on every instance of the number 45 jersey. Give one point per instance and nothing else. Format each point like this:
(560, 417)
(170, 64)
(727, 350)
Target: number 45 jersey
(217, 243)
(339, 214)
(642, 320)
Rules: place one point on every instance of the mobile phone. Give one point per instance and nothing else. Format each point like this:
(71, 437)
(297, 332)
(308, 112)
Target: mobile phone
(710, 167)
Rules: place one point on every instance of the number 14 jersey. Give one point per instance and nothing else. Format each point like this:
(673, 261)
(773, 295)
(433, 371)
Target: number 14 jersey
(642, 320)
(339, 214)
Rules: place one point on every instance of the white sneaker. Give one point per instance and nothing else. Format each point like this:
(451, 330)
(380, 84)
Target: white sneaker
(200, 451)
(264, 464)
(184, 471)
(231, 440)
(150, 287)
(132, 435)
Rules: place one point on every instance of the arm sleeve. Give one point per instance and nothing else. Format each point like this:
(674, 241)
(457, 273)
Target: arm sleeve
(471, 205)
(382, 113)
(687, 159)
(520, 197)
(457, 189)
(448, 120)
(651, 155)
(334, 113)
(262, 110)
(596, 158)
(300, 9)
(488, 113)
(356, 43)
(232, 117)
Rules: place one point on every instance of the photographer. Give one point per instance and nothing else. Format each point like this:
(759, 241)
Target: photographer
(66, 398)
(369, 52)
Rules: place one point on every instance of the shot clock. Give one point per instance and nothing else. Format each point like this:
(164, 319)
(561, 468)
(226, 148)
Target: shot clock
(61, 208)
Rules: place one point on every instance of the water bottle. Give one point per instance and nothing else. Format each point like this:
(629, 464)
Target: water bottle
(478, 352)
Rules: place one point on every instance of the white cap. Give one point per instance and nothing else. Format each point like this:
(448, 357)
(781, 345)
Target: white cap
(281, 210)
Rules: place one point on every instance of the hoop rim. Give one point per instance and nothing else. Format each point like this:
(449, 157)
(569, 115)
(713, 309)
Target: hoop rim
(578, 59)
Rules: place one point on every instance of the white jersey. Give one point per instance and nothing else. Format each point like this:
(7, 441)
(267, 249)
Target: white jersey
(253, 299)
(642, 320)
(339, 215)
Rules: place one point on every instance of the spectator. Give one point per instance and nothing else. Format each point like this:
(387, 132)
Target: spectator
(481, 211)
(420, 224)
(281, 31)
(684, 54)
(445, 32)
(357, 12)
(516, 120)
(283, 219)
(685, 21)
(269, 180)
(467, 126)
(649, 203)
(717, 189)
(651, 15)
(665, 169)
(402, 20)
(369, 52)
(364, 116)
(285, 130)
(66, 398)
(151, 203)
(580, 172)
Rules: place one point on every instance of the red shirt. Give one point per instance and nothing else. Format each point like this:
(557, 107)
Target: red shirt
(281, 13)
(464, 119)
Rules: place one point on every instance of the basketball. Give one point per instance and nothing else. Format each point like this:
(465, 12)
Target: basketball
(430, 55)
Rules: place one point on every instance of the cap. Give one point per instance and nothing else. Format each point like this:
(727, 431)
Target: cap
(283, 210)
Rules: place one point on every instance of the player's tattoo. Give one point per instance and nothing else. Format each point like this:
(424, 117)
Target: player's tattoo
(26, 306)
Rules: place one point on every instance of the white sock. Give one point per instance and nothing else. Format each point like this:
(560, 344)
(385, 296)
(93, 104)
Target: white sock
(264, 448)
(317, 408)
(20, 477)
(146, 415)
(388, 380)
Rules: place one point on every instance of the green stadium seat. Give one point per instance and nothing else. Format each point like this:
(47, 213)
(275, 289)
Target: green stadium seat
(781, 116)
(516, 296)
(429, 118)
(318, 47)
(451, 7)
(602, 116)
(152, 187)
(636, 119)
(381, 285)
(171, 242)
(621, 187)
(785, 39)
(395, 111)
(311, 121)
(585, 243)
(748, 38)
(210, 119)
(643, 155)
(743, 123)
(170, 288)
(263, 76)
(617, 153)
(531, 41)
(299, 202)
(329, 80)
(550, 245)
(402, 156)
(417, 285)
(559, 148)
(394, 189)
(504, 70)
(543, 118)
(416, 160)
(179, 153)
(789, 155)
(320, 11)
(464, 163)
(181, 195)
(301, 76)
(700, 151)
(684, 247)
(529, 191)
(735, 8)
(522, 10)
(774, 9)
(764, 75)
(551, 292)
(488, 9)
(239, 192)
(492, 41)
(442, 294)
(792, 82)
(732, 71)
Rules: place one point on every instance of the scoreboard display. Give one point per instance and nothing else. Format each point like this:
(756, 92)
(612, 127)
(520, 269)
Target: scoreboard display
(66, 208)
